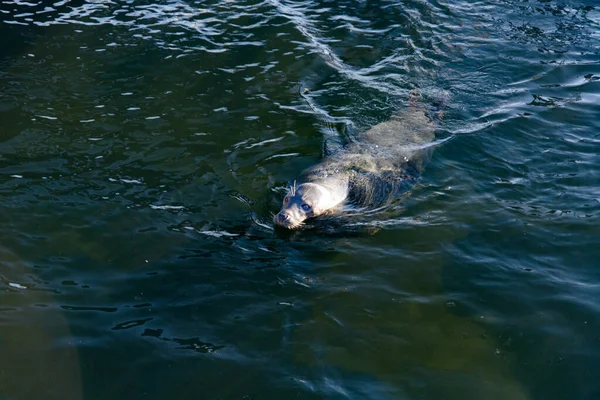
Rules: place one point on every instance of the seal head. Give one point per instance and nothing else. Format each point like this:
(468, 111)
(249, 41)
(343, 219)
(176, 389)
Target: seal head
(306, 201)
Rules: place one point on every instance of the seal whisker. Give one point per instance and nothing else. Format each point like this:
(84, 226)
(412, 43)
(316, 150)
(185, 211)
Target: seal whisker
(293, 189)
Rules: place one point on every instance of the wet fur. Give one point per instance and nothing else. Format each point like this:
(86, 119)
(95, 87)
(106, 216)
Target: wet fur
(371, 171)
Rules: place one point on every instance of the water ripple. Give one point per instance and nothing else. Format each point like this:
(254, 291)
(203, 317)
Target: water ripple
(146, 145)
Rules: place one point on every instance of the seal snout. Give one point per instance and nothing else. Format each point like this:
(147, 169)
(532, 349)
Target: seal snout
(283, 218)
(287, 219)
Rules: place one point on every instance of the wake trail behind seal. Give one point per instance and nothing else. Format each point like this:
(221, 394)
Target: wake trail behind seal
(315, 41)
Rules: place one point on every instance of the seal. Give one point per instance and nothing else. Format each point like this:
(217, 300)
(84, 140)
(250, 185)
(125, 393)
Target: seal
(369, 171)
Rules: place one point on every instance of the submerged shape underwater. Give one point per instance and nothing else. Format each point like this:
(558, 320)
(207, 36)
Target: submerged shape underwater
(145, 148)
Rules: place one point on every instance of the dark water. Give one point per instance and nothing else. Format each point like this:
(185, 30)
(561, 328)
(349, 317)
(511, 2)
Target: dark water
(144, 148)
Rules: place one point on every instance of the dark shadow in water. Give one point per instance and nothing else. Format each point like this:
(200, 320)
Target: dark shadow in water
(330, 226)
(37, 359)
(17, 39)
(194, 344)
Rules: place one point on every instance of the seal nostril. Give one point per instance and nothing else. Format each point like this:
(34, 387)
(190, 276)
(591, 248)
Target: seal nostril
(283, 217)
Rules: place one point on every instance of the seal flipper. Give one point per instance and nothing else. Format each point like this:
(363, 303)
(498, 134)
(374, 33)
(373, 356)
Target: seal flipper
(335, 141)
(331, 145)
(372, 189)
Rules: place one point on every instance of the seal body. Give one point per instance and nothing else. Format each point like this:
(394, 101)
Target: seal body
(367, 172)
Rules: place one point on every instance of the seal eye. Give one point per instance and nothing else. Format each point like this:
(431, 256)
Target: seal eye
(306, 207)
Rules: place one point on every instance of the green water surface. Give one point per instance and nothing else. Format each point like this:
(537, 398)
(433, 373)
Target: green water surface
(145, 147)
